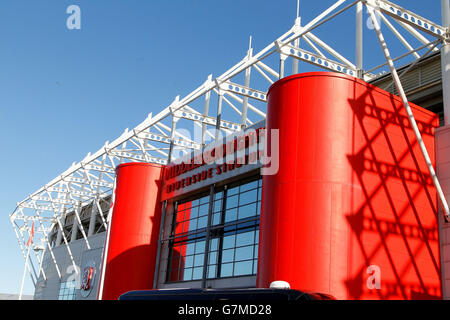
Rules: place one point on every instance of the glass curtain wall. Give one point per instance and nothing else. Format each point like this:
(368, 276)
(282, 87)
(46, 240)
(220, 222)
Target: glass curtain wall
(223, 226)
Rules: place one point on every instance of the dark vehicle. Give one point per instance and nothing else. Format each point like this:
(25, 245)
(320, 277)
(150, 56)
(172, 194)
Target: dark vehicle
(224, 295)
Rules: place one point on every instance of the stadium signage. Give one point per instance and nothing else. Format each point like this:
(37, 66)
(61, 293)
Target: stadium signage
(88, 279)
(241, 150)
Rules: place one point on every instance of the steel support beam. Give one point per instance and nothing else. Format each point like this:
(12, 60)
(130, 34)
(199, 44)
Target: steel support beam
(411, 118)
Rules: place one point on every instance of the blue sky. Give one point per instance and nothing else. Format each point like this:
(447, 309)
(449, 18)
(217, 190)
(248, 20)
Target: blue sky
(63, 92)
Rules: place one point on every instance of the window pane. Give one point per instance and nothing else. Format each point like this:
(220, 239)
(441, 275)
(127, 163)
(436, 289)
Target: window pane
(67, 291)
(242, 268)
(231, 215)
(217, 206)
(232, 202)
(216, 219)
(202, 222)
(226, 270)
(255, 252)
(200, 247)
(193, 213)
(187, 274)
(190, 248)
(175, 262)
(212, 258)
(244, 253)
(204, 200)
(212, 272)
(247, 211)
(218, 195)
(188, 262)
(198, 260)
(191, 224)
(248, 186)
(228, 241)
(234, 190)
(228, 255)
(213, 244)
(197, 274)
(248, 197)
(179, 227)
(203, 210)
(246, 238)
(180, 213)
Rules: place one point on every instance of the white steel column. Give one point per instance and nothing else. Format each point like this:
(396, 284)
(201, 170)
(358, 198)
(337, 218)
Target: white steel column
(283, 58)
(411, 118)
(445, 61)
(173, 131)
(93, 218)
(247, 84)
(59, 235)
(74, 229)
(297, 26)
(219, 113)
(359, 39)
(206, 111)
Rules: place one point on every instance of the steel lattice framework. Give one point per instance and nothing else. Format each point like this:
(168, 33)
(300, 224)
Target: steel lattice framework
(224, 105)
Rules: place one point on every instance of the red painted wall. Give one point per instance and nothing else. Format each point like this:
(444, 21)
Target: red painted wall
(352, 191)
(134, 231)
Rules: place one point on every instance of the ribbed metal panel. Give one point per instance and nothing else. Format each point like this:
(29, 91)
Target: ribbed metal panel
(431, 72)
(412, 80)
(426, 72)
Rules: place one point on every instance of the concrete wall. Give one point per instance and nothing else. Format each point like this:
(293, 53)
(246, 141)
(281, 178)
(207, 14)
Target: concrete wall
(49, 289)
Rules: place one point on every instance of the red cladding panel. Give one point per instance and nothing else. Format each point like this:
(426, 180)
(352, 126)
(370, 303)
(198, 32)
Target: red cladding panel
(352, 191)
(134, 229)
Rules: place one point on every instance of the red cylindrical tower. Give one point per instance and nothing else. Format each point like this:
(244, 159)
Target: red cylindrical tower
(351, 211)
(134, 230)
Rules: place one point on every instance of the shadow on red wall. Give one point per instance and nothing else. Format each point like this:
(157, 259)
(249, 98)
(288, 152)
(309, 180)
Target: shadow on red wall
(394, 216)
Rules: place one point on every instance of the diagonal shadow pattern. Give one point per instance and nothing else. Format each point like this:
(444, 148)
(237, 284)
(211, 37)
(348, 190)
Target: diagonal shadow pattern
(395, 226)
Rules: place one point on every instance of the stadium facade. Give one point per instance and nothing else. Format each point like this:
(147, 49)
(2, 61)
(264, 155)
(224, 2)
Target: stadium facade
(325, 180)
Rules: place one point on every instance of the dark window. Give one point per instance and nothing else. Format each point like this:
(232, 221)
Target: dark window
(233, 234)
